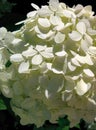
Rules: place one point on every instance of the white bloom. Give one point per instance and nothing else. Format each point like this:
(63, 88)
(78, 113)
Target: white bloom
(82, 87)
(53, 4)
(16, 58)
(44, 22)
(59, 38)
(47, 67)
(82, 36)
(24, 67)
(3, 32)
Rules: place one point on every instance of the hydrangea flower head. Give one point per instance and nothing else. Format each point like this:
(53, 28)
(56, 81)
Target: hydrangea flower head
(53, 58)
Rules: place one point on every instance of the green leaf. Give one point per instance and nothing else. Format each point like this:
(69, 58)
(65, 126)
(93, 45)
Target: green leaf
(66, 128)
(8, 64)
(59, 128)
(40, 128)
(2, 105)
(63, 122)
(77, 126)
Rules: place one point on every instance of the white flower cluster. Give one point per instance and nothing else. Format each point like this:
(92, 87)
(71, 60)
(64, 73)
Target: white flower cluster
(48, 67)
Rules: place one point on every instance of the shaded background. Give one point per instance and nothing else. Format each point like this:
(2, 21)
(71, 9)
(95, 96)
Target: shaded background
(22, 7)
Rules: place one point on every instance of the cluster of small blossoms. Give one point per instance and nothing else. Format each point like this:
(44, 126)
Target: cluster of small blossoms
(49, 65)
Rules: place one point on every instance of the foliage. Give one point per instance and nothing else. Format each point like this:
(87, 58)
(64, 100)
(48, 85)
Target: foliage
(2, 104)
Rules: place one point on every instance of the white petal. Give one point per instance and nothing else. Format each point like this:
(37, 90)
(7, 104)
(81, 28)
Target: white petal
(53, 4)
(75, 62)
(87, 22)
(84, 45)
(47, 35)
(16, 58)
(88, 39)
(47, 94)
(16, 41)
(29, 53)
(81, 13)
(59, 27)
(92, 50)
(35, 6)
(88, 60)
(73, 53)
(75, 77)
(47, 55)
(31, 14)
(61, 53)
(67, 25)
(55, 20)
(57, 71)
(9, 37)
(75, 36)
(81, 27)
(23, 21)
(82, 87)
(88, 8)
(37, 30)
(50, 34)
(37, 60)
(84, 59)
(91, 31)
(3, 32)
(66, 95)
(49, 66)
(69, 14)
(71, 67)
(44, 11)
(44, 22)
(24, 67)
(40, 48)
(42, 36)
(88, 72)
(81, 59)
(78, 7)
(49, 50)
(59, 38)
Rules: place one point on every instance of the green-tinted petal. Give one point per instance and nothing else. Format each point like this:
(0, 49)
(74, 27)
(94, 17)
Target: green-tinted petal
(82, 87)
(59, 38)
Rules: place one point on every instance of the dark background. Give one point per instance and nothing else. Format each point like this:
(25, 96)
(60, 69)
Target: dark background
(22, 7)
